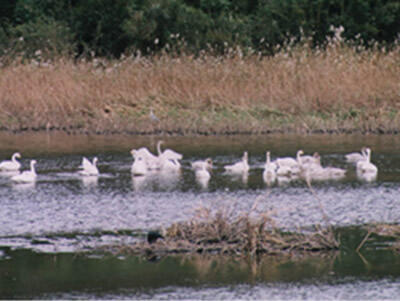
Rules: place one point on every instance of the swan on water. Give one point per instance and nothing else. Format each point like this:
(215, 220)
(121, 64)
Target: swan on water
(269, 174)
(27, 176)
(202, 176)
(200, 164)
(11, 165)
(314, 159)
(356, 157)
(139, 166)
(365, 166)
(239, 167)
(151, 161)
(168, 159)
(89, 168)
(289, 166)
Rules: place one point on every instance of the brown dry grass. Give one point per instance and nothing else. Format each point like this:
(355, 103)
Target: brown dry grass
(299, 90)
(223, 231)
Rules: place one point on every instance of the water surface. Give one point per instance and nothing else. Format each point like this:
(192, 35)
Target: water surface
(65, 212)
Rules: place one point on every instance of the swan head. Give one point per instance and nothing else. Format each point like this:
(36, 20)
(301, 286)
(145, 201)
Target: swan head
(133, 152)
(95, 160)
(33, 162)
(16, 155)
(245, 156)
(300, 152)
(209, 161)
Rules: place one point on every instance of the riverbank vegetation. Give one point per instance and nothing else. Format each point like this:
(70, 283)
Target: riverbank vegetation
(336, 89)
(204, 67)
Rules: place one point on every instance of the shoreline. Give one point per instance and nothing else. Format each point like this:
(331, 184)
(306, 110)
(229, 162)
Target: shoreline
(190, 133)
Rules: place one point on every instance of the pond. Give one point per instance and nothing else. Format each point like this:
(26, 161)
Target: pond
(44, 226)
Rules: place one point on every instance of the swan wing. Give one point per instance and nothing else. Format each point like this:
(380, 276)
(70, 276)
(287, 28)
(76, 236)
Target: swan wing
(86, 163)
(9, 165)
(145, 153)
(171, 155)
(88, 168)
(354, 157)
(286, 162)
(26, 176)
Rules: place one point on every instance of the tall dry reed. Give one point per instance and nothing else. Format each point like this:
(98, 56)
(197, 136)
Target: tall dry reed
(300, 89)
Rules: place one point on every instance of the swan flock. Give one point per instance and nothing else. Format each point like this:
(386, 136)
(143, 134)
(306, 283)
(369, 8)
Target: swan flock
(167, 162)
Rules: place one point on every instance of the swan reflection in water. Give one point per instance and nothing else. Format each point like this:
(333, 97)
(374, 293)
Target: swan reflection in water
(202, 176)
(161, 180)
(21, 186)
(367, 177)
(90, 181)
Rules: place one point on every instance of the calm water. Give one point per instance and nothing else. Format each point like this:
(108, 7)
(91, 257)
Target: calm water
(63, 212)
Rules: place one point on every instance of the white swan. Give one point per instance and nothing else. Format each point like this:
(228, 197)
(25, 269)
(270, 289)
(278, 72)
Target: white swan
(89, 168)
(289, 166)
(200, 164)
(325, 173)
(168, 159)
(239, 167)
(27, 176)
(151, 161)
(11, 165)
(314, 159)
(139, 166)
(269, 174)
(356, 157)
(365, 166)
(202, 176)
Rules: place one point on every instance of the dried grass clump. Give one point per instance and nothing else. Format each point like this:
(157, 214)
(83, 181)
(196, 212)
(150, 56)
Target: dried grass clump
(224, 232)
(391, 231)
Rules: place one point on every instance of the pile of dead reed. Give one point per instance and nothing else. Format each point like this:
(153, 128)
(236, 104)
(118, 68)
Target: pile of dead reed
(224, 232)
(388, 231)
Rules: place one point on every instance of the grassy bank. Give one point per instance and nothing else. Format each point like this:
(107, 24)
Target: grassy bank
(339, 89)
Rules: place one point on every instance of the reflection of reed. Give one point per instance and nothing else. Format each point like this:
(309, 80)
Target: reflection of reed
(259, 268)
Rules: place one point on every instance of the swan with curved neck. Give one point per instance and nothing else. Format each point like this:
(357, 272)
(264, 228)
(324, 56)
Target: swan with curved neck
(239, 167)
(168, 159)
(11, 165)
(356, 157)
(89, 168)
(26, 176)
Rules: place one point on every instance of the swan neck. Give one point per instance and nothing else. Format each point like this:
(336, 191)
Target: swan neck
(33, 166)
(159, 147)
(299, 157)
